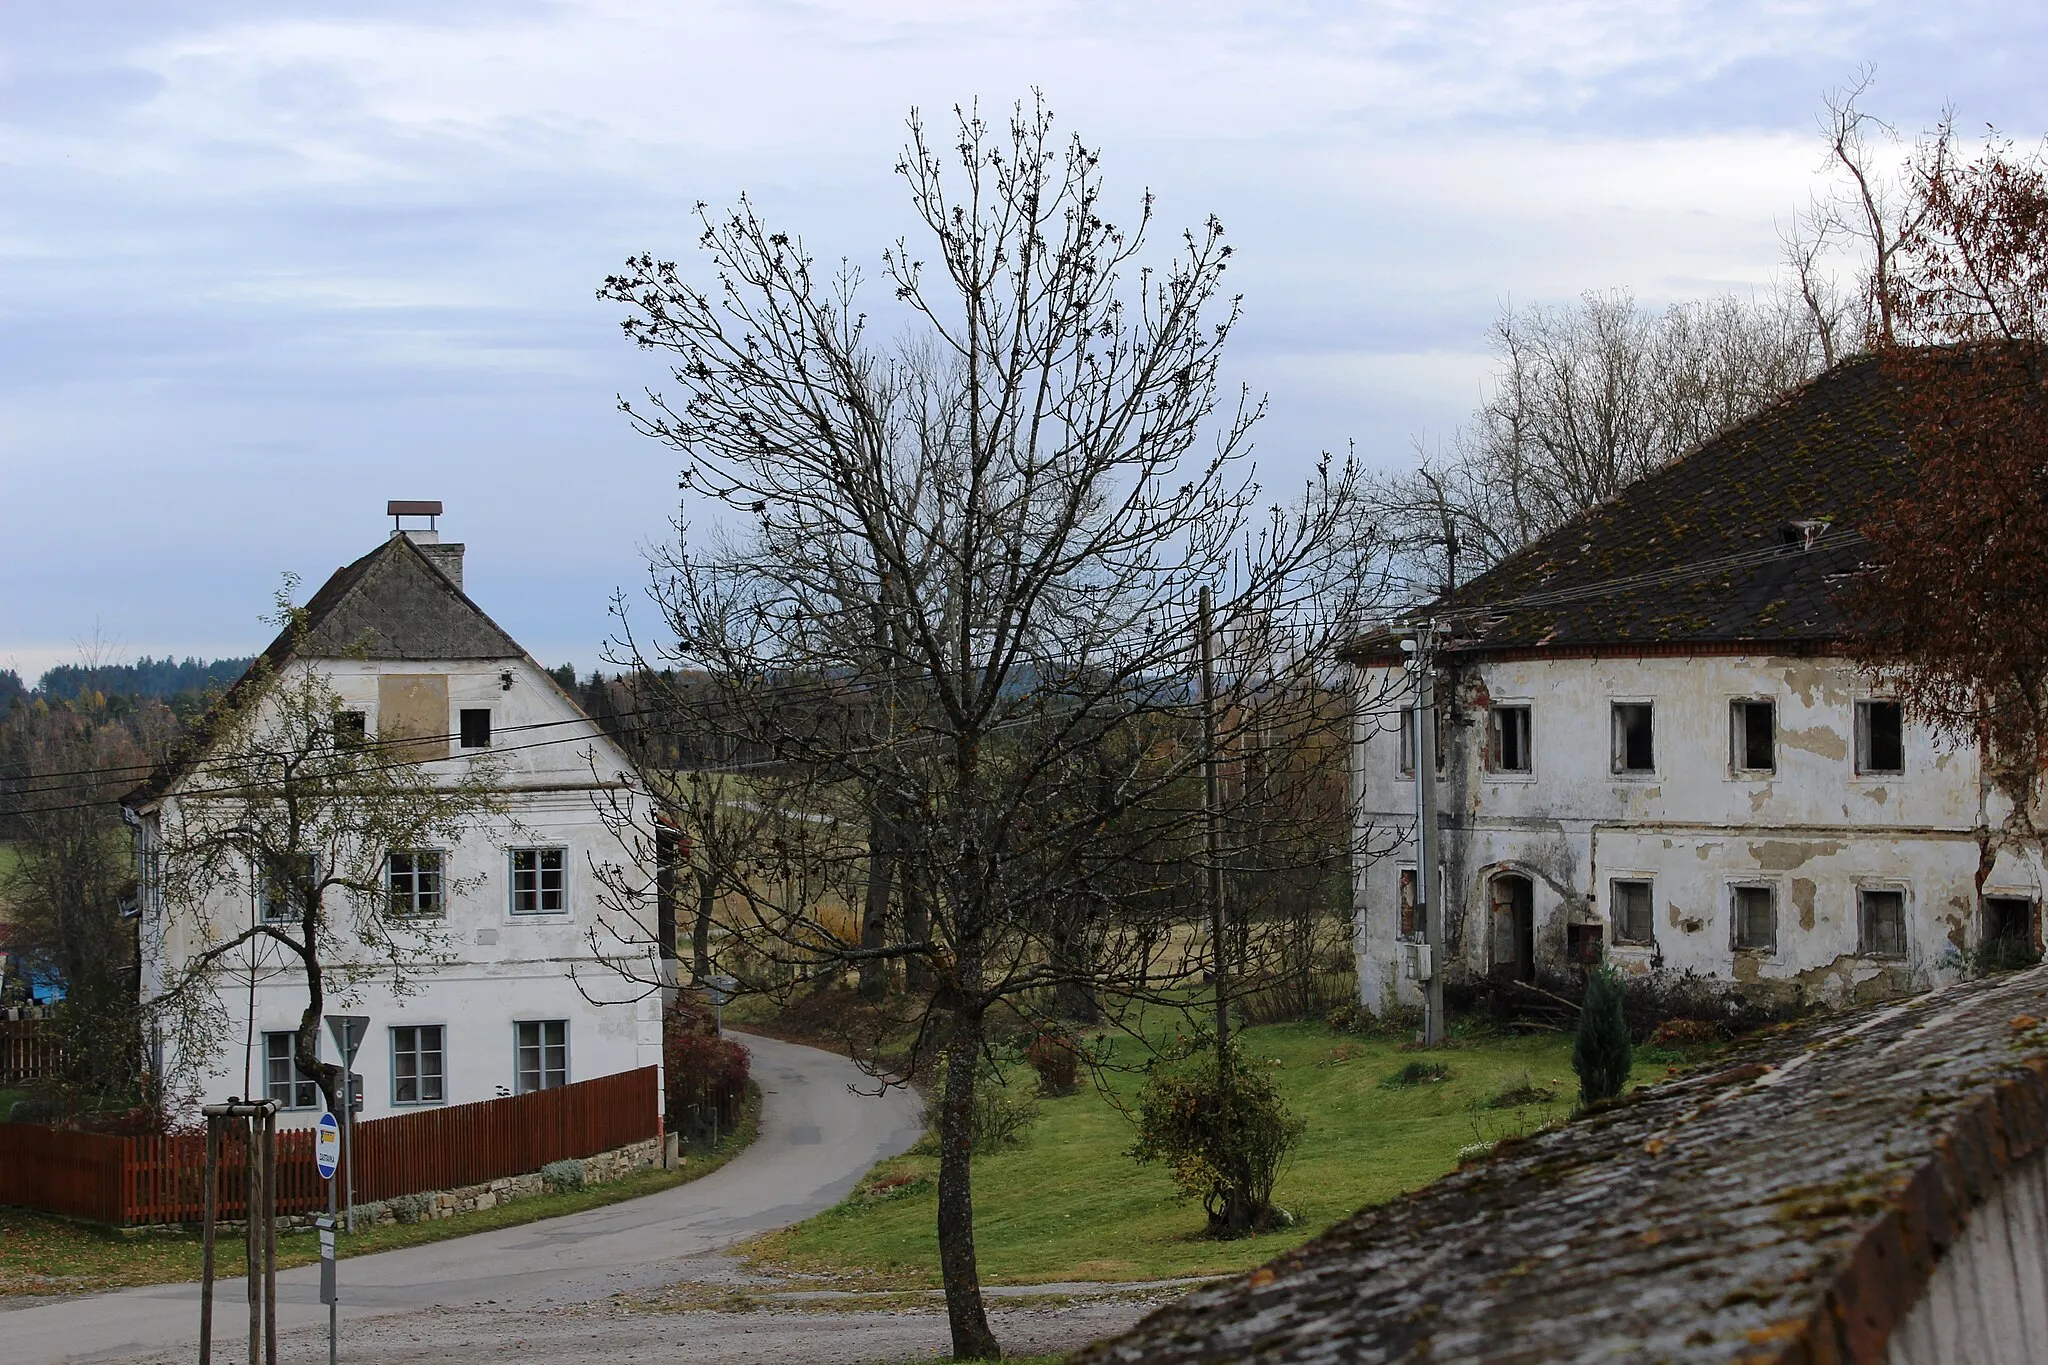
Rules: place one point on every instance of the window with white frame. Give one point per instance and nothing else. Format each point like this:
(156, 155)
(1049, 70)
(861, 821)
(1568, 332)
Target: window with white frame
(1755, 911)
(1752, 736)
(1507, 740)
(543, 1054)
(286, 880)
(1631, 907)
(281, 1078)
(539, 881)
(1635, 749)
(414, 879)
(1880, 737)
(417, 1065)
(1881, 921)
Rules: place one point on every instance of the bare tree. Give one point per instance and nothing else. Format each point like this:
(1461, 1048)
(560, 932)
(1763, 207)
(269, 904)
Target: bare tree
(1585, 400)
(956, 604)
(270, 852)
(1865, 211)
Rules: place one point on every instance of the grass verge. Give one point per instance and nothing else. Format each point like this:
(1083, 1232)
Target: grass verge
(41, 1253)
(1070, 1205)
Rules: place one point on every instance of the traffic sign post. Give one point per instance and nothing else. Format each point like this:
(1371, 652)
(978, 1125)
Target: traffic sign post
(327, 1157)
(348, 1031)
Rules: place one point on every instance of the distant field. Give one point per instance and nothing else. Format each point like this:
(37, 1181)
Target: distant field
(1070, 1205)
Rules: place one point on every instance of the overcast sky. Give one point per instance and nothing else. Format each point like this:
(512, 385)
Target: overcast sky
(265, 265)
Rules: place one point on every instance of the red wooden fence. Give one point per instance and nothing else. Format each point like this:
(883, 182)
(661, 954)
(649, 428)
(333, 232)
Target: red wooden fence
(158, 1179)
(28, 1050)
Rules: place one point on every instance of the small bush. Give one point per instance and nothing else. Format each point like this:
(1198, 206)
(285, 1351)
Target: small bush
(706, 1075)
(417, 1208)
(562, 1176)
(1415, 1073)
(1225, 1148)
(1055, 1057)
(1523, 1091)
(1601, 1053)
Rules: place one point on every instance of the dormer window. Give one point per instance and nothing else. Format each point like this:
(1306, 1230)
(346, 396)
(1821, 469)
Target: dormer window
(1801, 536)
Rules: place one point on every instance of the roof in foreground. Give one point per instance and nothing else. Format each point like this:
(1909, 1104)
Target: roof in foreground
(1629, 573)
(1789, 1205)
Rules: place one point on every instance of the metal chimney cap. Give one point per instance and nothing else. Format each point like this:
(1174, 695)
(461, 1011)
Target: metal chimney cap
(401, 507)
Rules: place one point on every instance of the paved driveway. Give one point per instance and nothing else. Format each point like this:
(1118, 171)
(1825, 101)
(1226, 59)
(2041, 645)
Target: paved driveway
(817, 1138)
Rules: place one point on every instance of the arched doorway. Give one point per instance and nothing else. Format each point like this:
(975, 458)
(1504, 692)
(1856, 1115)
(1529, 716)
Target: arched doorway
(1513, 901)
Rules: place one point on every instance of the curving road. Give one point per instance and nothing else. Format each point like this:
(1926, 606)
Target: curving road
(817, 1138)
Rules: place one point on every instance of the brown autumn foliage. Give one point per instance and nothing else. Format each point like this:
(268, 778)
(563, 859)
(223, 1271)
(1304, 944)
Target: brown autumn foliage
(1955, 611)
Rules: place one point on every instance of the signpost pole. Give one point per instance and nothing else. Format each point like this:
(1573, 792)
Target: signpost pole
(348, 1031)
(326, 1151)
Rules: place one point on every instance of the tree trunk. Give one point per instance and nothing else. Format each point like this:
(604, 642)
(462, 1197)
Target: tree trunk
(1073, 997)
(874, 919)
(700, 934)
(917, 927)
(972, 1339)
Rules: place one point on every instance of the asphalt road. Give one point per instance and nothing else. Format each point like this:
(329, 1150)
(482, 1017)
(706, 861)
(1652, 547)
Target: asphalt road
(817, 1138)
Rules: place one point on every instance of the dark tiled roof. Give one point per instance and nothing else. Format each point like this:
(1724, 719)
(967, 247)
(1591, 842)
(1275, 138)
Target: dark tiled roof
(1624, 574)
(390, 604)
(1790, 1205)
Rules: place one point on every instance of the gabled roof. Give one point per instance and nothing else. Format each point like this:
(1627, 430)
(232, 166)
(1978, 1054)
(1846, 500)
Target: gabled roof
(1697, 552)
(1788, 1206)
(393, 603)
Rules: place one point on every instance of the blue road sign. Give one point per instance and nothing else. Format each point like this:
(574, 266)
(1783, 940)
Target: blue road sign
(327, 1146)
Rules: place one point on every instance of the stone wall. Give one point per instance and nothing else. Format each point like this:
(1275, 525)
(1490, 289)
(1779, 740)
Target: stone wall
(416, 1208)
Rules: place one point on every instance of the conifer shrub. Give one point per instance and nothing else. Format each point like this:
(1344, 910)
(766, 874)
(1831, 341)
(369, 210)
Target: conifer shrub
(1602, 1053)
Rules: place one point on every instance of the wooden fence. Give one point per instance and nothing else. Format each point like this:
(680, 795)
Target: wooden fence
(28, 1051)
(134, 1181)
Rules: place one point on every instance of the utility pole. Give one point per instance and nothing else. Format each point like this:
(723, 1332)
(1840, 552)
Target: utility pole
(1428, 881)
(1212, 801)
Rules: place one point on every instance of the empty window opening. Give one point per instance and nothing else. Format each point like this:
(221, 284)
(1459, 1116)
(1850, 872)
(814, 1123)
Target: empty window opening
(1634, 747)
(476, 728)
(417, 1065)
(415, 882)
(1881, 922)
(351, 728)
(1584, 944)
(1410, 920)
(1756, 918)
(282, 1081)
(1514, 927)
(1631, 908)
(1407, 741)
(1753, 732)
(1880, 737)
(1508, 740)
(539, 881)
(543, 1061)
(2010, 932)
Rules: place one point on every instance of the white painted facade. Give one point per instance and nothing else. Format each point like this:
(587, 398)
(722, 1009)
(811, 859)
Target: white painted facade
(509, 968)
(1812, 831)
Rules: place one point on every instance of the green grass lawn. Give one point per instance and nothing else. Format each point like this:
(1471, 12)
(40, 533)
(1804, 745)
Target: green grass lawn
(41, 1253)
(1068, 1204)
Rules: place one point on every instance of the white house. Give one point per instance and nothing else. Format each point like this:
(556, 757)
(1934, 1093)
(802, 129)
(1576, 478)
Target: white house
(410, 654)
(1653, 745)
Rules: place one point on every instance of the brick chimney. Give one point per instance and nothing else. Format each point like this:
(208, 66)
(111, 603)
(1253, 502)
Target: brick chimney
(445, 557)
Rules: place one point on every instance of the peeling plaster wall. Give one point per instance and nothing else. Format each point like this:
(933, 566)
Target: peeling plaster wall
(1813, 830)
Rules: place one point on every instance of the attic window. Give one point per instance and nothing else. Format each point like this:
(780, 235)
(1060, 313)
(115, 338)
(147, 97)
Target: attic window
(350, 729)
(476, 728)
(1801, 536)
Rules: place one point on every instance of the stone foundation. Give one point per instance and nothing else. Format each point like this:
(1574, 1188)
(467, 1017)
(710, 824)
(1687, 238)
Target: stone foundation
(605, 1166)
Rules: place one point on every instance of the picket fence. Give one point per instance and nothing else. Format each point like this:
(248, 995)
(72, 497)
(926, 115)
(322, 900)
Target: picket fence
(135, 1181)
(29, 1051)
